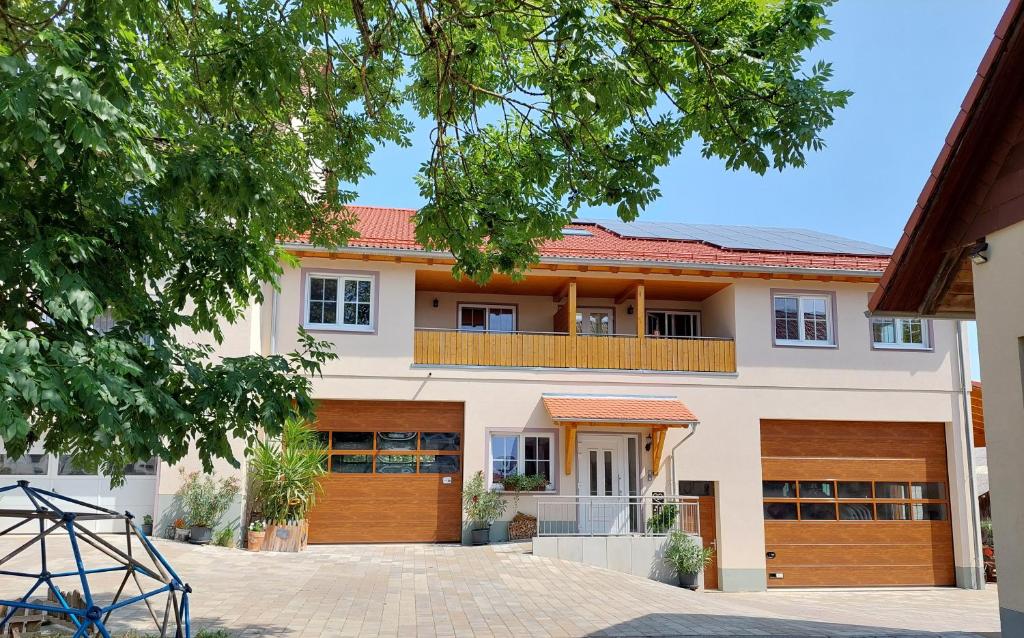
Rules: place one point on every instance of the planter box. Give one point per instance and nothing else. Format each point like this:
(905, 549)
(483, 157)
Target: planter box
(286, 538)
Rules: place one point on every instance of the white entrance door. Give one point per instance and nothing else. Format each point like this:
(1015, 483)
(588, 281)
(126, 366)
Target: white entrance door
(604, 504)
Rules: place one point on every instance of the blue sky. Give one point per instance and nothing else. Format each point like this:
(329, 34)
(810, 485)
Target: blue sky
(909, 63)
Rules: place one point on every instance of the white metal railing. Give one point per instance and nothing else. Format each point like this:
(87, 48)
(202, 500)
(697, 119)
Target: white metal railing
(617, 515)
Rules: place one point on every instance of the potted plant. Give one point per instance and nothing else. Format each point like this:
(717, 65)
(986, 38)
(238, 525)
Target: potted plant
(285, 472)
(147, 525)
(688, 558)
(663, 519)
(522, 525)
(180, 529)
(257, 530)
(482, 507)
(205, 499)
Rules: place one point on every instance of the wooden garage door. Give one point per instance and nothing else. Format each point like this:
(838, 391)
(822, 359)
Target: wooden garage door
(395, 472)
(856, 504)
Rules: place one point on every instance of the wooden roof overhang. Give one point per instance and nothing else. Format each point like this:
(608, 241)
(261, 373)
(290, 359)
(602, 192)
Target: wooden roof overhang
(565, 266)
(976, 187)
(659, 413)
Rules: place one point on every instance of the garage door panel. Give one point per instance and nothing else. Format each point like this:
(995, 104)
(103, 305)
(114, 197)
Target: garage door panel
(811, 469)
(389, 507)
(876, 532)
(841, 553)
(921, 555)
(858, 576)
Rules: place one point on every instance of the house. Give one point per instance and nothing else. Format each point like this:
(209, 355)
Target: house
(730, 371)
(962, 256)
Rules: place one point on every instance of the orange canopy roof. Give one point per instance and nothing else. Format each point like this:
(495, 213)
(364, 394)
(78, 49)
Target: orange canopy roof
(600, 408)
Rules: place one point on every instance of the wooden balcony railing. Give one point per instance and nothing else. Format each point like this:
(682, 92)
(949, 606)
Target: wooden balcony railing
(555, 350)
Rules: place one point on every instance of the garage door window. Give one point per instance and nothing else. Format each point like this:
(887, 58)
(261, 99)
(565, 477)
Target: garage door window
(855, 501)
(394, 452)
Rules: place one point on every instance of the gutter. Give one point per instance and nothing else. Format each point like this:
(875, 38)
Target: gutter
(572, 261)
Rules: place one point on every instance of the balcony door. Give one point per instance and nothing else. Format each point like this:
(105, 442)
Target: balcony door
(602, 477)
(595, 321)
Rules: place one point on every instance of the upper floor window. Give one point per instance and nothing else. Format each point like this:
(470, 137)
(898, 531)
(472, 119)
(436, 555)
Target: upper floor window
(487, 318)
(911, 334)
(673, 323)
(339, 301)
(803, 320)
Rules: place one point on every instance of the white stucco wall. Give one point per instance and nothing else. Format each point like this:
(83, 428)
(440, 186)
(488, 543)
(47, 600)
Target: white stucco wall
(849, 382)
(999, 303)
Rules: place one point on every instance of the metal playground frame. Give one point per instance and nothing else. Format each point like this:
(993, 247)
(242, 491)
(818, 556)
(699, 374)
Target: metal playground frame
(54, 516)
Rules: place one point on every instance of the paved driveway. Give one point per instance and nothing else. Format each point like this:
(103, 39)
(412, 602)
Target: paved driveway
(430, 590)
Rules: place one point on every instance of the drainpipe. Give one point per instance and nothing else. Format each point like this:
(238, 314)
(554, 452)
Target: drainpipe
(979, 568)
(273, 318)
(674, 488)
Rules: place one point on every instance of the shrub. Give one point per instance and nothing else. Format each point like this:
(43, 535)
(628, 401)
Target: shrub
(686, 555)
(987, 537)
(663, 519)
(225, 537)
(481, 504)
(286, 472)
(204, 498)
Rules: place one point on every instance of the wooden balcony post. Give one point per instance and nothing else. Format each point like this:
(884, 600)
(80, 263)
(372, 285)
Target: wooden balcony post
(571, 307)
(641, 314)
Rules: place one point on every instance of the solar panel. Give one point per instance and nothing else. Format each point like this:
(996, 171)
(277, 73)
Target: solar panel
(797, 240)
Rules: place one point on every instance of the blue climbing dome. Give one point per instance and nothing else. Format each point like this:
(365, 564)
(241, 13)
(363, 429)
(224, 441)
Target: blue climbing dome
(59, 516)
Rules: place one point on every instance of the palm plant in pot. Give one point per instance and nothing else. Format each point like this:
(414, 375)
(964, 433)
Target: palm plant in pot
(205, 499)
(482, 506)
(688, 557)
(285, 472)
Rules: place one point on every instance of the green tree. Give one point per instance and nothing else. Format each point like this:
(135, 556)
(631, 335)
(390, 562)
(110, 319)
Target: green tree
(152, 153)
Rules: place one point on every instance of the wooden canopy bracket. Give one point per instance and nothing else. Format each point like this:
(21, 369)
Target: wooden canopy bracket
(657, 447)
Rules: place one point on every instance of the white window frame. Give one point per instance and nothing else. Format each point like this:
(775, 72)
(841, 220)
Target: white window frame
(926, 337)
(521, 456)
(692, 313)
(486, 307)
(801, 299)
(340, 325)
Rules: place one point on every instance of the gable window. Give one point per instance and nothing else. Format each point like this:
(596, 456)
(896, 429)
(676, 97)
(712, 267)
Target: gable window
(803, 320)
(487, 318)
(673, 323)
(343, 302)
(899, 334)
(527, 454)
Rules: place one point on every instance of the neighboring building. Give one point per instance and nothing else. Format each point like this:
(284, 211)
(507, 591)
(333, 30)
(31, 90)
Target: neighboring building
(962, 256)
(734, 365)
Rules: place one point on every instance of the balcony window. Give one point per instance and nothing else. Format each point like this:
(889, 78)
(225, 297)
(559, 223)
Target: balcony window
(900, 334)
(673, 323)
(339, 302)
(803, 320)
(487, 318)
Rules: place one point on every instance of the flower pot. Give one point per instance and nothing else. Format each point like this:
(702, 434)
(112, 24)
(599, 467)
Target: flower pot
(180, 534)
(689, 581)
(255, 541)
(147, 529)
(200, 535)
(481, 535)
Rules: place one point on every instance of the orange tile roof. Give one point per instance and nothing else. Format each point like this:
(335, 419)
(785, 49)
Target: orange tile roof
(618, 409)
(392, 228)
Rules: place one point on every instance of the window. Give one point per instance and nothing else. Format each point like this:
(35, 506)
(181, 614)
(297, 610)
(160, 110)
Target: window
(854, 501)
(672, 323)
(527, 454)
(393, 452)
(487, 318)
(899, 334)
(339, 301)
(28, 464)
(803, 320)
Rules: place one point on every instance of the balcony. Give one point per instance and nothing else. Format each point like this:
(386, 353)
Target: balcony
(560, 350)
